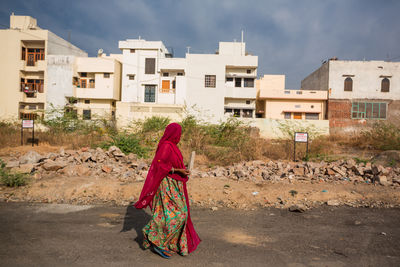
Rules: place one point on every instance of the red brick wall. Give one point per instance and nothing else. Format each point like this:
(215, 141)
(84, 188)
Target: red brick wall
(339, 115)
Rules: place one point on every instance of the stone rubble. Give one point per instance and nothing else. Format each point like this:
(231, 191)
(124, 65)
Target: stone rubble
(128, 168)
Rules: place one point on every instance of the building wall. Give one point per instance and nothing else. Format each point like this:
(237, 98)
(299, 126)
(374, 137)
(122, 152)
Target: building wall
(366, 76)
(24, 31)
(318, 80)
(11, 67)
(340, 120)
(127, 113)
(277, 107)
(100, 108)
(60, 70)
(274, 128)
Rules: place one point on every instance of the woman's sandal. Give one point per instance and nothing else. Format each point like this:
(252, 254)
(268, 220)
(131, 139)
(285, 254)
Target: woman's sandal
(163, 253)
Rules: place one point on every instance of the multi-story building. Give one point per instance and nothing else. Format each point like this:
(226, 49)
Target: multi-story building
(97, 86)
(222, 84)
(276, 102)
(155, 83)
(25, 49)
(359, 92)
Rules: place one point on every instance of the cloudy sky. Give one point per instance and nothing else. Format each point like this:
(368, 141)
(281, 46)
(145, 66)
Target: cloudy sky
(290, 37)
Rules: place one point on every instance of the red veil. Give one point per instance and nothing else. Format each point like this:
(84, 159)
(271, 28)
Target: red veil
(168, 156)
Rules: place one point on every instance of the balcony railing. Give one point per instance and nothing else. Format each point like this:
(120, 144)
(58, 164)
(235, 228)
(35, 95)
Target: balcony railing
(30, 88)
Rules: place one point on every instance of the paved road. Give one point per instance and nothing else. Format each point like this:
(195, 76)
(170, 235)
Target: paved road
(66, 235)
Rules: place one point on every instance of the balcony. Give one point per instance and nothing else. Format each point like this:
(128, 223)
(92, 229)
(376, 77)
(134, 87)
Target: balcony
(240, 92)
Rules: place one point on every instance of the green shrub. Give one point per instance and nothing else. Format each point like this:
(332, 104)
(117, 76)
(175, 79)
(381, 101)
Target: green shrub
(11, 179)
(128, 143)
(154, 124)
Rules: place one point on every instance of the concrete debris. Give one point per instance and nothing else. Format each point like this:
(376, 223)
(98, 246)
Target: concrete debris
(114, 163)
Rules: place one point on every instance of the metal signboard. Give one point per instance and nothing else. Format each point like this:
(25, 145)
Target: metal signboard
(301, 137)
(27, 124)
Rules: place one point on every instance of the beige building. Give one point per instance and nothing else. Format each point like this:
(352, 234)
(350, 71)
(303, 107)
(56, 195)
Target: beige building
(276, 102)
(97, 86)
(24, 49)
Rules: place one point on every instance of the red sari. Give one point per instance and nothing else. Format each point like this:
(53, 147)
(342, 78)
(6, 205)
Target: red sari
(168, 156)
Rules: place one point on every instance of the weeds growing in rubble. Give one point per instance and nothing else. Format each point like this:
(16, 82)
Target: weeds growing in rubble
(11, 179)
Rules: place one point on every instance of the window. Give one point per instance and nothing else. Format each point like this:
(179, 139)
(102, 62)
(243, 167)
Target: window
(312, 116)
(87, 101)
(83, 83)
(33, 55)
(385, 84)
(150, 93)
(106, 75)
(83, 74)
(132, 51)
(228, 110)
(165, 74)
(297, 106)
(91, 83)
(247, 113)
(236, 113)
(150, 66)
(288, 115)
(367, 110)
(210, 81)
(229, 79)
(113, 103)
(238, 82)
(173, 84)
(248, 82)
(180, 74)
(23, 53)
(287, 92)
(299, 92)
(87, 115)
(131, 76)
(297, 116)
(165, 85)
(247, 102)
(248, 71)
(348, 84)
(32, 107)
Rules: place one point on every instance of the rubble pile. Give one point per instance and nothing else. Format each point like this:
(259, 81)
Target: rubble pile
(275, 171)
(128, 168)
(84, 162)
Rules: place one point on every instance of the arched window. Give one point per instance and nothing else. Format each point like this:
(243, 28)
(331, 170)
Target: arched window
(385, 85)
(348, 84)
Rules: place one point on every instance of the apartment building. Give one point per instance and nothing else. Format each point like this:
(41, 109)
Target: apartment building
(222, 85)
(96, 86)
(153, 83)
(25, 49)
(276, 102)
(210, 85)
(359, 92)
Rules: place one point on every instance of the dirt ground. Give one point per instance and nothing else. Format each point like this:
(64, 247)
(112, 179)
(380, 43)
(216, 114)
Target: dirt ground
(207, 192)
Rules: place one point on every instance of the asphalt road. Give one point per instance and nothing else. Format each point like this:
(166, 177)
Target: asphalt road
(66, 235)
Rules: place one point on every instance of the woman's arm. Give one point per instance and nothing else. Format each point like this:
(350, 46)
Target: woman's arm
(183, 172)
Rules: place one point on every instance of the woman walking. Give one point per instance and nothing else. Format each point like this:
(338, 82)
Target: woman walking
(170, 229)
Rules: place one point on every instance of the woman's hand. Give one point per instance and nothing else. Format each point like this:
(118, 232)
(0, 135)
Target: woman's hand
(182, 172)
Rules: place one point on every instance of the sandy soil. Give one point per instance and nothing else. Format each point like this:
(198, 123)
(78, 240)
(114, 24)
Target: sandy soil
(207, 192)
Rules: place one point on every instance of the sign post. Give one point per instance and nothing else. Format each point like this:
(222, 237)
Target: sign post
(28, 124)
(300, 137)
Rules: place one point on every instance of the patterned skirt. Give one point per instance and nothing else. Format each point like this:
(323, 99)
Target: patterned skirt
(167, 228)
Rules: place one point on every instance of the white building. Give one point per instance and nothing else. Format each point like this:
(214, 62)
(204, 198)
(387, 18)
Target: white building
(155, 83)
(359, 92)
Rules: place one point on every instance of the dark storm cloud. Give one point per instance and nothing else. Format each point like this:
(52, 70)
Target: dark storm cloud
(290, 37)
